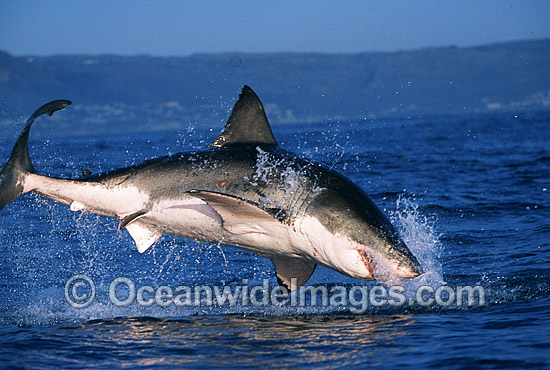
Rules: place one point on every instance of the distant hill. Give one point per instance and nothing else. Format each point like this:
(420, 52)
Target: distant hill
(294, 87)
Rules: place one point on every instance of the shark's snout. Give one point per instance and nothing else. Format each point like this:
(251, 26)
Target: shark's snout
(409, 269)
(406, 264)
(386, 264)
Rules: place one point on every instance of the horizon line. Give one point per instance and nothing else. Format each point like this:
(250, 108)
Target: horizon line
(450, 46)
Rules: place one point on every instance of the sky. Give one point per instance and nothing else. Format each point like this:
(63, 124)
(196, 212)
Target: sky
(179, 28)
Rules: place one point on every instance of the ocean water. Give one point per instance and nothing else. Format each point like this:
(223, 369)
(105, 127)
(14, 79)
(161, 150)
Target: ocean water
(470, 195)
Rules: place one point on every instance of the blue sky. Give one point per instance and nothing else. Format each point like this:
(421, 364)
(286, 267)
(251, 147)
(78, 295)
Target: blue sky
(185, 27)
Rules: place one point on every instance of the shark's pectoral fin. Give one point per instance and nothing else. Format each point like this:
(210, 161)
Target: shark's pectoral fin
(257, 226)
(143, 234)
(292, 272)
(238, 215)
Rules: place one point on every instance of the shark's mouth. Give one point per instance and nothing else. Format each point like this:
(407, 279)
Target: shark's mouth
(381, 268)
(368, 262)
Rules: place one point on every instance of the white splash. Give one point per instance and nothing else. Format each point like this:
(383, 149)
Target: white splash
(418, 232)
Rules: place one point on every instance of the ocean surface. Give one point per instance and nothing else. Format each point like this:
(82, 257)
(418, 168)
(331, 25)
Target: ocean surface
(469, 194)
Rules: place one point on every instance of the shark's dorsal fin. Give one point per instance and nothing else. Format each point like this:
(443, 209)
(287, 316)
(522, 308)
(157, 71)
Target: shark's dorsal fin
(247, 124)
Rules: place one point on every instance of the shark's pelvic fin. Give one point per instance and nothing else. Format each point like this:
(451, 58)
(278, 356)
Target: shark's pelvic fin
(291, 272)
(247, 124)
(126, 220)
(143, 234)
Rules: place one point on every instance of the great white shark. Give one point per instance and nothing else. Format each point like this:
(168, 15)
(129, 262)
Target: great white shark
(245, 191)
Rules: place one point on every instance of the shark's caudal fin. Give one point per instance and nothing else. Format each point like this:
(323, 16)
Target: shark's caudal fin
(247, 124)
(19, 164)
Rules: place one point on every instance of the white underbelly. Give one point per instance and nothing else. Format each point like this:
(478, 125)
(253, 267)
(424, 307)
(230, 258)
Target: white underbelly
(192, 218)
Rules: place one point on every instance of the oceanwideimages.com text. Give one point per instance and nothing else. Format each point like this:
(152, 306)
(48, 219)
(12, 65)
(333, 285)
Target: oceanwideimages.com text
(80, 292)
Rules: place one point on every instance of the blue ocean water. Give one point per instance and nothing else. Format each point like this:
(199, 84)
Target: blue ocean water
(470, 195)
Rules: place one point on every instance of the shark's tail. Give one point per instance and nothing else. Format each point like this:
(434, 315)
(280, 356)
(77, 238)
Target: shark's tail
(19, 164)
